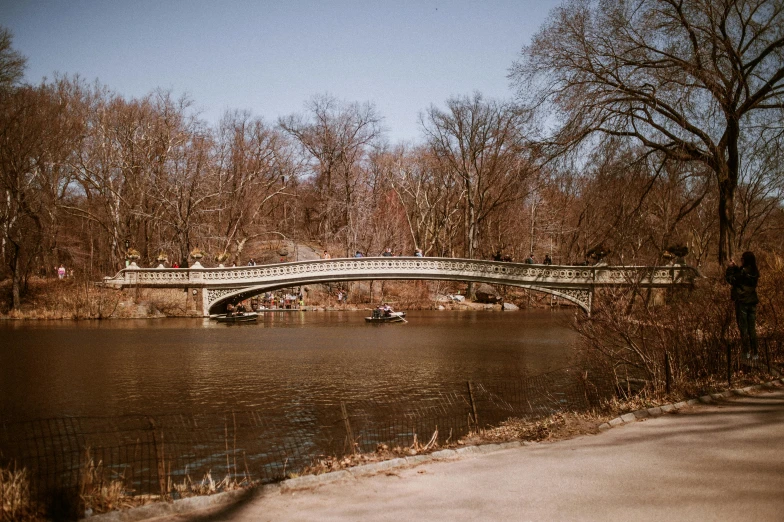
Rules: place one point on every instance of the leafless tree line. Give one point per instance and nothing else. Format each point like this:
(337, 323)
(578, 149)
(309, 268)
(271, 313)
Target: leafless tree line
(635, 125)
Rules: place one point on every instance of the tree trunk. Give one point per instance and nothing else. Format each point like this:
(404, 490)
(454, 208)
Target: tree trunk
(184, 251)
(347, 215)
(727, 185)
(16, 279)
(470, 225)
(726, 221)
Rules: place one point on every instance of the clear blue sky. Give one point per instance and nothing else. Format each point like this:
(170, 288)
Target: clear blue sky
(270, 57)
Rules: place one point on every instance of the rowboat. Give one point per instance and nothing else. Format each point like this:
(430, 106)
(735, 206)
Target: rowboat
(380, 317)
(246, 317)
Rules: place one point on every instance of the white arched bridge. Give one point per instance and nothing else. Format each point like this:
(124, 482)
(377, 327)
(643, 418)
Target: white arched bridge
(219, 286)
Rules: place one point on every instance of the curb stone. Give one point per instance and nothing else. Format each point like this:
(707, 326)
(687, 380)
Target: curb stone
(488, 448)
(191, 504)
(705, 399)
(367, 469)
(311, 480)
(416, 459)
(185, 505)
(444, 454)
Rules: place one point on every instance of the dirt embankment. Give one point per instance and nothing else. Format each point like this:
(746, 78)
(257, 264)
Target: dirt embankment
(51, 298)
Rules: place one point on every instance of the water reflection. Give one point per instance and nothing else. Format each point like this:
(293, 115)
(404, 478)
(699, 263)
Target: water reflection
(285, 362)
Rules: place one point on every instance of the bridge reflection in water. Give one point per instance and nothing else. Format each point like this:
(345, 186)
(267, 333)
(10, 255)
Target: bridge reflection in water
(219, 286)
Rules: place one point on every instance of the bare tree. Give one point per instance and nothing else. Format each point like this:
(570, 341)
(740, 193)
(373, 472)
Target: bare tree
(479, 144)
(337, 136)
(760, 190)
(180, 191)
(12, 63)
(254, 166)
(431, 199)
(685, 79)
(112, 153)
(37, 131)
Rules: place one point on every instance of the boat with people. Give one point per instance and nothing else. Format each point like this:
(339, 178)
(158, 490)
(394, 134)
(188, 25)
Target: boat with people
(242, 317)
(385, 314)
(236, 314)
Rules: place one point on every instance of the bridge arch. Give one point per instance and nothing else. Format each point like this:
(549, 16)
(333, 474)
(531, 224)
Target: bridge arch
(219, 298)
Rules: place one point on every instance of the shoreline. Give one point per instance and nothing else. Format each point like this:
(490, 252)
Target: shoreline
(75, 299)
(476, 445)
(50, 315)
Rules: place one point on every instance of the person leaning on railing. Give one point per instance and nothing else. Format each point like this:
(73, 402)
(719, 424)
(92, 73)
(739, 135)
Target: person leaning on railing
(744, 280)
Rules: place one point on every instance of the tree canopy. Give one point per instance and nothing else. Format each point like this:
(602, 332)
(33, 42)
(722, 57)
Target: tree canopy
(689, 80)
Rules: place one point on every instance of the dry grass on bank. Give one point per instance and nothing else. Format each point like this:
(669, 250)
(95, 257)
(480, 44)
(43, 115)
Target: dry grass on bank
(678, 341)
(559, 426)
(102, 490)
(49, 298)
(15, 500)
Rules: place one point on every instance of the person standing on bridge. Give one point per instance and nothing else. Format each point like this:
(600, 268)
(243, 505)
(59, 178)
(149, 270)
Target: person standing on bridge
(744, 280)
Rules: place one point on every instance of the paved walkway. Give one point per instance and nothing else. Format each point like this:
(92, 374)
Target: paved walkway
(717, 462)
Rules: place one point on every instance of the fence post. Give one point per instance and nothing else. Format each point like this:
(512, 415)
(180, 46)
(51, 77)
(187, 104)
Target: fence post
(767, 354)
(667, 373)
(473, 404)
(729, 364)
(159, 458)
(347, 425)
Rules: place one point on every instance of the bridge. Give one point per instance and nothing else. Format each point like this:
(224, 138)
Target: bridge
(220, 286)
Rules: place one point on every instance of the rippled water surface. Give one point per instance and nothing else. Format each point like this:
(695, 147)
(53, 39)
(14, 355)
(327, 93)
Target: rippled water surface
(192, 365)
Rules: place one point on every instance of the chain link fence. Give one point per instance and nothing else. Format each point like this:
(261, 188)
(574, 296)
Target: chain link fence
(158, 455)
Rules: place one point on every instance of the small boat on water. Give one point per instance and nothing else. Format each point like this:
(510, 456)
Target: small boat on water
(380, 316)
(246, 317)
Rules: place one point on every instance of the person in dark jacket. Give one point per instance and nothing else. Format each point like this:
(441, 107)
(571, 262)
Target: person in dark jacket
(744, 280)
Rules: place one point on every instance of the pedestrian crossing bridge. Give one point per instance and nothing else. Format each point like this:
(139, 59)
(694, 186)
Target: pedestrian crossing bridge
(220, 286)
